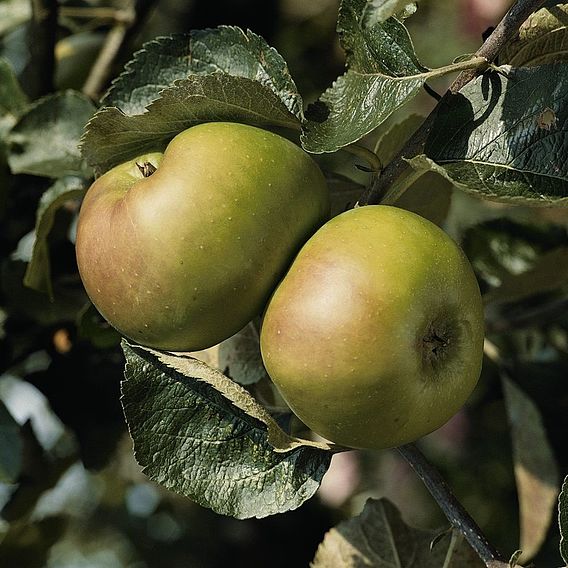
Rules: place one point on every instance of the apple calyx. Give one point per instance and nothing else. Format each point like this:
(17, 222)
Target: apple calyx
(436, 344)
(146, 169)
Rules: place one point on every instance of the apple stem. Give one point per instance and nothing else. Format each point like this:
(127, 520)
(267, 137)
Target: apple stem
(505, 30)
(146, 169)
(452, 508)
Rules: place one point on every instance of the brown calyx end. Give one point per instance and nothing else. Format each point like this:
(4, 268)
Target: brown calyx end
(146, 169)
(437, 343)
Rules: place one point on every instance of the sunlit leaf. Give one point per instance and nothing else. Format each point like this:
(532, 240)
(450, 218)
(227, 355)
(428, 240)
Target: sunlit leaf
(504, 137)
(226, 49)
(200, 434)
(378, 537)
(38, 272)
(543, 38)
(45, 140)
(113, 137)
(536, 471)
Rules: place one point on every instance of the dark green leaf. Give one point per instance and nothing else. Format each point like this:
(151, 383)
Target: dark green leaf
(543, 38)
(548, 274)
(38, 273)
(200, 434)
(383, 73)
(93, 327)
(536, 471)
(378, 537)
(226, 49)
(44, 142)
(504, 138)
(12, 99)
(563, 520)
(501, 248)
(393, 140)
(112, 137)
(344, 192)
(373, 46)
(353, 106)
(10, 447)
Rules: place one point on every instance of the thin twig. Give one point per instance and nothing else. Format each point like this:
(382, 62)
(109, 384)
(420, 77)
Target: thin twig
(116, 45)
(42, 31)
(452, 508)
(503, 33)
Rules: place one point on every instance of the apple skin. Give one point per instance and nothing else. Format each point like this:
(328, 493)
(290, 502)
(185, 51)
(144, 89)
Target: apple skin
(375, 335)
(184, 258)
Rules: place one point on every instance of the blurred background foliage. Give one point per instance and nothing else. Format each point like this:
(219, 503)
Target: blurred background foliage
(72, 494)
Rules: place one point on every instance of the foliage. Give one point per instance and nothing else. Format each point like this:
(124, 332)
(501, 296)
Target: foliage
(493, 172)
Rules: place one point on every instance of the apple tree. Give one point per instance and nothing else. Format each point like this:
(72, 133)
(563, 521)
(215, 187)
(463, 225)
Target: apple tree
(473, 149)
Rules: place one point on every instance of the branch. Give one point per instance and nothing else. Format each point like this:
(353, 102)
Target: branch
(116, 44)
(452, 508)
(502, 34)
(38, 76)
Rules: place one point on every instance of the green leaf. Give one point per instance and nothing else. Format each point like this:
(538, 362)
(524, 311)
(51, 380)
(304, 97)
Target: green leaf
(10, 447)
(239, 356)
(12, 99)
(344, 192)
(44, 142)
(353, 106)
(38, 273)
(13, 13)
(549, 273)
(504, 138)
(200, 434)
(393, 140)
(373, 46)
(543, 38)
(93, 327)
(383, 74)
(536, 471)
(226, 49)
(381, 10)
(501, 248)
(563, 520)
(378, 537)
(112, 137)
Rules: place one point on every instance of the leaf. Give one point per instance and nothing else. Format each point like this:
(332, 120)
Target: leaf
(504, 138)
(10, 447)
(543, 38)
(344, 192)
(548, 274)
(536, 471)
(430, 196)
(393, 140)
(563, 520)
(383, 73)
(38, 272)
(381, 10)
(113, 137)
(353, 106)
(12, 99)
(13, 13)
(501, 248)
(44, 142)
(226, 49)
(202, 435)
(378, 537)
(239, 356)
(373, 46)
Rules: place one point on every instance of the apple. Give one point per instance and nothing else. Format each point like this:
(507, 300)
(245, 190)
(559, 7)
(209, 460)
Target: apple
(375, 335)
(179, 251)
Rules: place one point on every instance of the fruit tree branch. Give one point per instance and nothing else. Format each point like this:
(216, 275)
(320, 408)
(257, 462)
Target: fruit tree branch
(503, 33)
(127, 24)
(452, 508)
(37, 79)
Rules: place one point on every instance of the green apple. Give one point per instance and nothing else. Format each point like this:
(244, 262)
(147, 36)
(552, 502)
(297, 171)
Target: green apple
(180, 251)
(375, 335)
